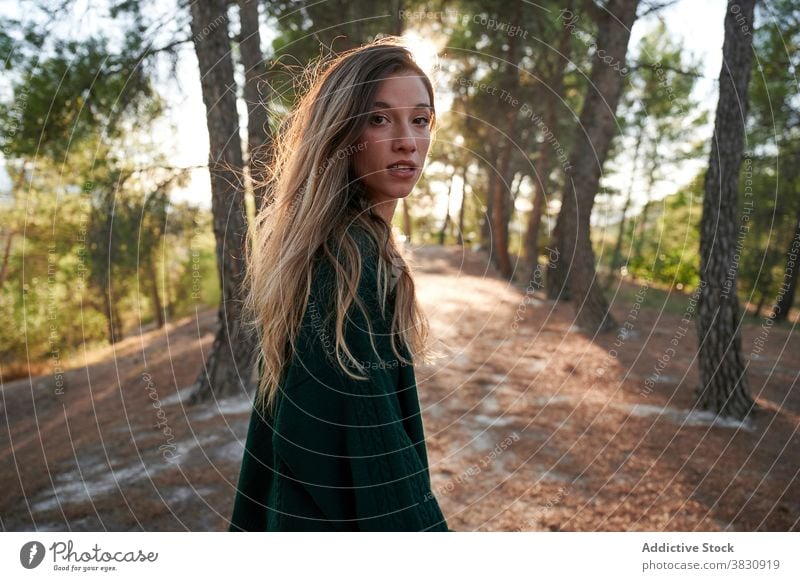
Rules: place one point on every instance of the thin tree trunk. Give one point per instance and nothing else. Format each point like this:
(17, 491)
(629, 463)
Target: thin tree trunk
(760, 304)
(406, 220)
(592, 140)
(502, 208)
(115, 329)
(112, 336)
(231, 359)
(541, 186)
(641, 226)
(500, 211)
(157, 307)
(486, 219)
(6, 255)
(119, 326)
(556, 283)
(259, 134)
(443, 230)
(540, 189)
(169, 292)
(786, 294)
(724, 388)
(516, 183)
(617, 254)
(462, 206)
(398, 22)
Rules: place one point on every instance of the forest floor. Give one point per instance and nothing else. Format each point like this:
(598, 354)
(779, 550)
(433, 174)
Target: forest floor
(535, 426)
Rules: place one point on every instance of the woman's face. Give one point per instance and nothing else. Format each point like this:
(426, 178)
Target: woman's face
(397, 132)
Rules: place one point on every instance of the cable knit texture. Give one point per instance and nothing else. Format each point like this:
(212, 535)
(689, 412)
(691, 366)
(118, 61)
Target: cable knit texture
(340, 454)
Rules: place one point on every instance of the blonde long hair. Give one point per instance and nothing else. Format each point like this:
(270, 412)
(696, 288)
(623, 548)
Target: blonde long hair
(314, 202)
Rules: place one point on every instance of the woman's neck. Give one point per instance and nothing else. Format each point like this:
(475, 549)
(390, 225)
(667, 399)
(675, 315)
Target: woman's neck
(385, 210)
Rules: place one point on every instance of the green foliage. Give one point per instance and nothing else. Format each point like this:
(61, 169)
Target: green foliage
(337, 25)
(668, 251)
(44, 304)
(82, 225)
(770, 180)
(68, 98)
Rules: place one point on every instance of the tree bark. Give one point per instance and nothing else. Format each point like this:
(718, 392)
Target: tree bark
(112, 336)
(500, 210)
(443, 230)
(553, 100)
(640, 228)
(406, 220)
(593, 136)
(157, 307)
(556, 280)
(540, 187)
(6, 255)
(786, 294)
(115, 327)
(462, 206)
(500, 191)
(486, 219)
(760, 305)
(398, 23)
(724, 388)
(259, 134)
(230, 362)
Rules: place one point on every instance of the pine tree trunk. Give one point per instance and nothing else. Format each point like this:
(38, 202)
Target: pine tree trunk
(6, 255)
(556, 280)
(406, 220)
(724, 387)
(641, 227)
(462, 206)
(398, 23)
(157, 307)
(760, 305)
(540, 187)
(593, 136)
(500, 191)
(443, 230)
(114, 319)
(109, 312)
(503, 203)
(544, 165)
(789, 285)
(486, 229)
(231, 359)
(501, 195)
(259, 135)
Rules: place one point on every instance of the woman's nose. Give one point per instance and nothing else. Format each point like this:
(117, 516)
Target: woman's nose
(404, 139)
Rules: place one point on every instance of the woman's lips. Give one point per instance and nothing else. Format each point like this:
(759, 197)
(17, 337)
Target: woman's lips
(402, 173)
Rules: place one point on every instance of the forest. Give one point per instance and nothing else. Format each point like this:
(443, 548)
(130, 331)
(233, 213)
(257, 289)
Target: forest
(605, 238)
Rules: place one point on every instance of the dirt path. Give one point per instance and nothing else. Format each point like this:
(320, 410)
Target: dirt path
(531, 426)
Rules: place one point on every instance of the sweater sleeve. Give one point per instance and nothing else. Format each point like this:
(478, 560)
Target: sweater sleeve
(343, 439)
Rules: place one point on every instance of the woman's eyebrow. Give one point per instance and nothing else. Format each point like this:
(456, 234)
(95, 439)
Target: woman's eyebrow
(384, 105)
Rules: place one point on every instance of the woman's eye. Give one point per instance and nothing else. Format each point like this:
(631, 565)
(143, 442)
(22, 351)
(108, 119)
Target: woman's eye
(377, 118)
(423, 121)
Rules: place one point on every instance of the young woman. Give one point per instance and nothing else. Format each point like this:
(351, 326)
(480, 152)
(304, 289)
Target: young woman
(336, 441)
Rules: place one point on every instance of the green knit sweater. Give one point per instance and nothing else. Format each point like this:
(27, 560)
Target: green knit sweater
(339, 454)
